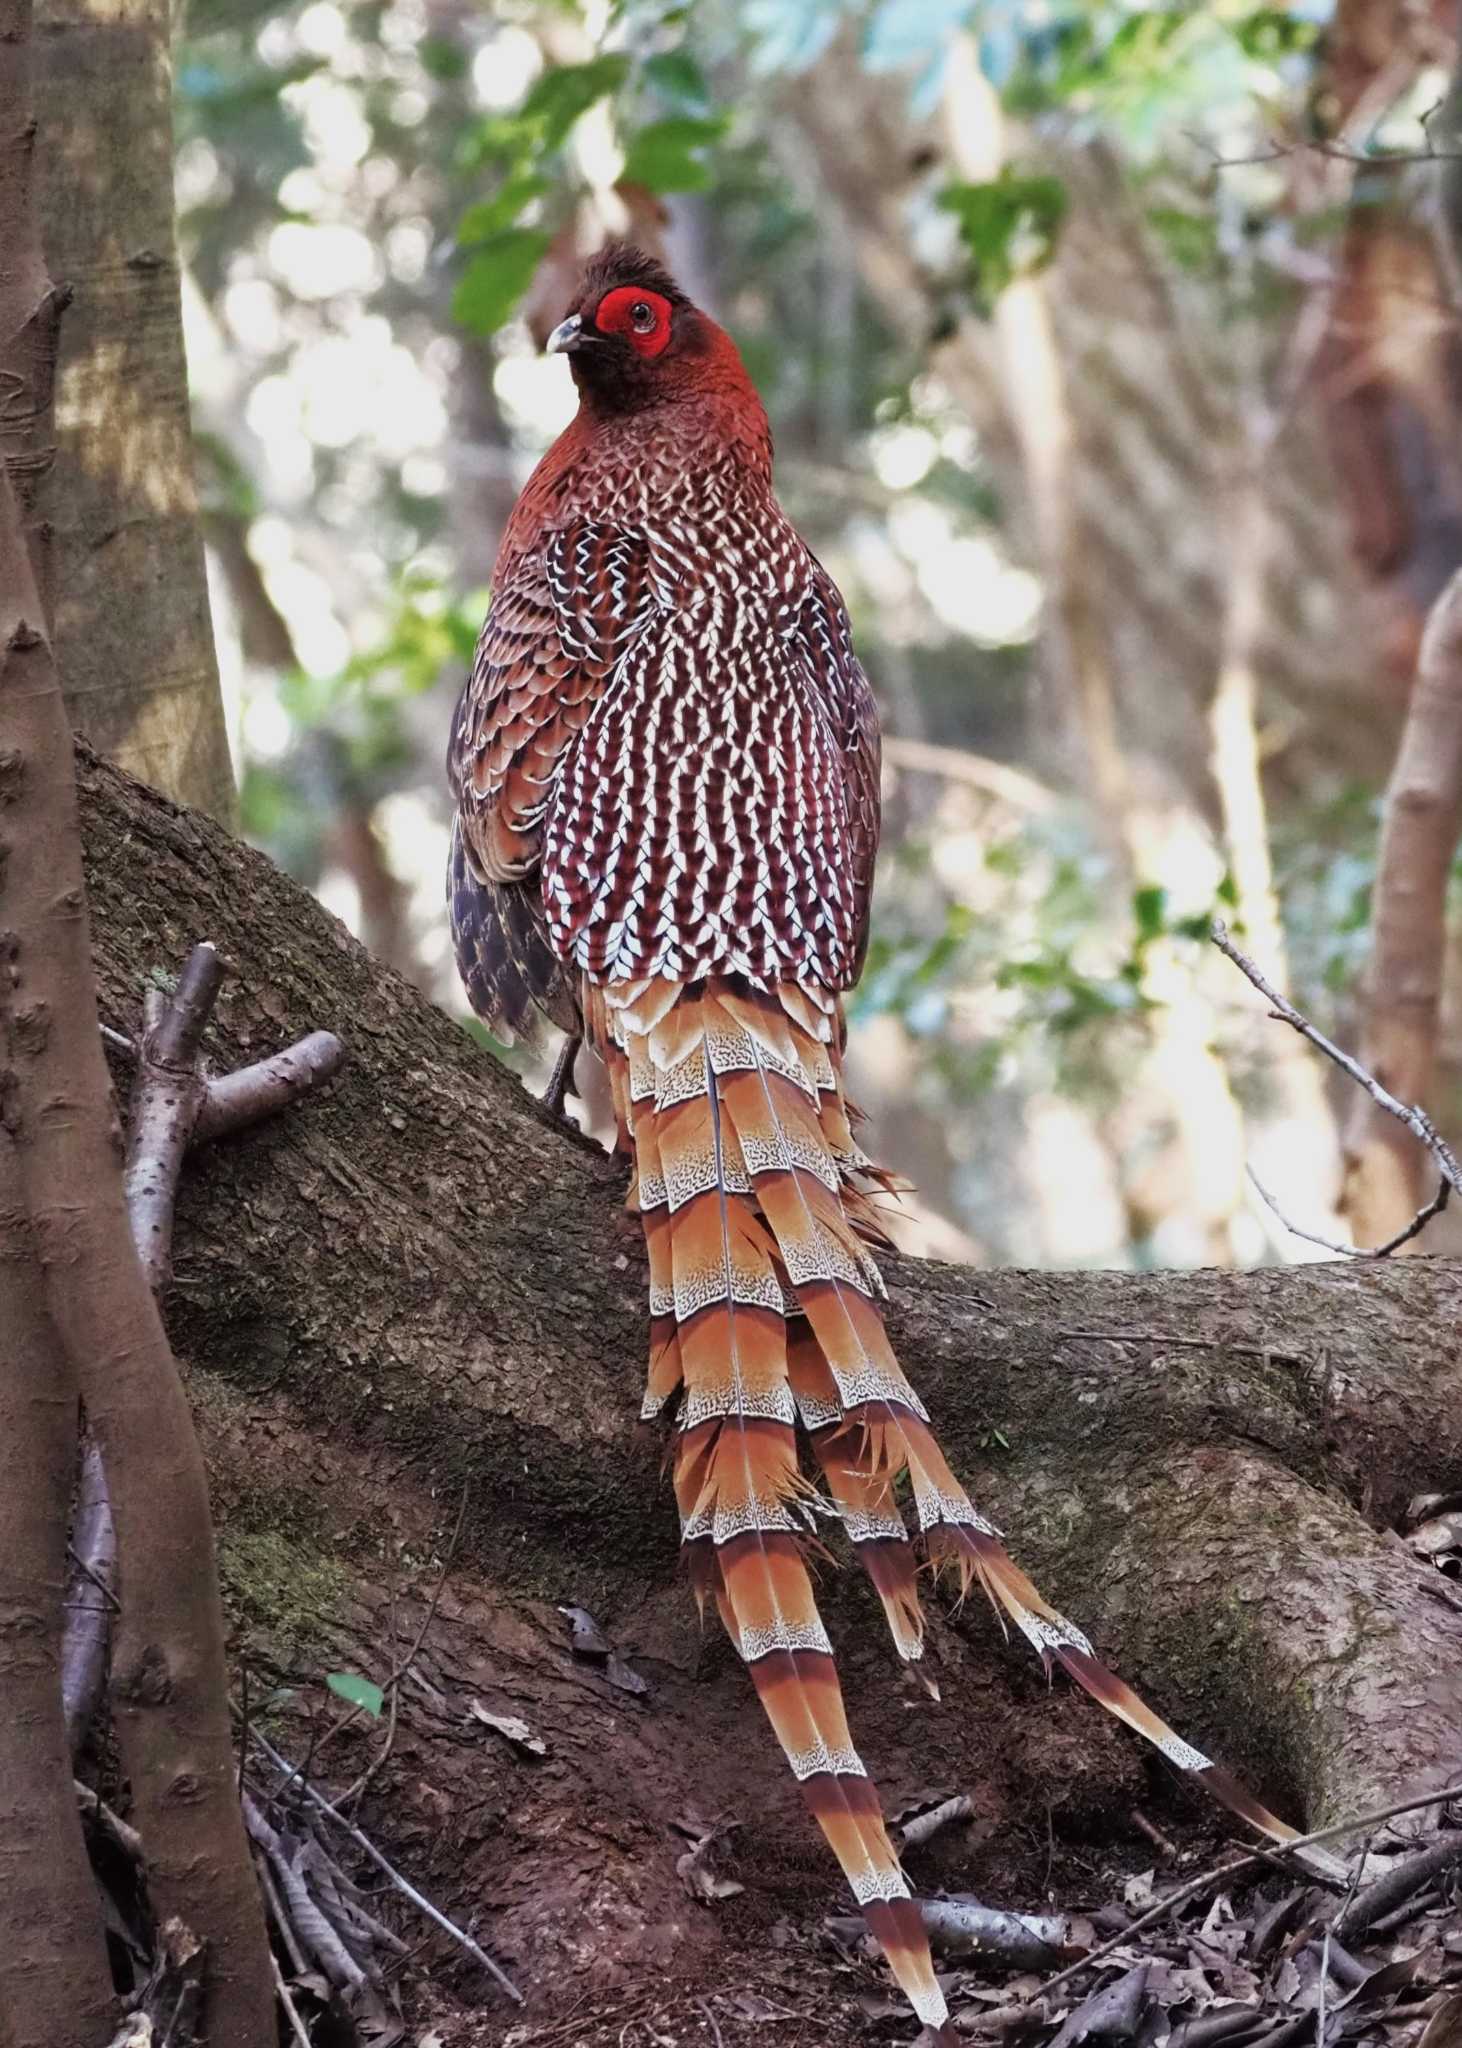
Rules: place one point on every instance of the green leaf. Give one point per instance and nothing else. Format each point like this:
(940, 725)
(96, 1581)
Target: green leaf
(1191, 239)
(495, 280)
(559, 97)
(1149, 908)
(1009, 224)
(678, 78)
(359, 1692)
(490, 216)
(669, 156)
(441, 58)
(905, 32)
(1275, 32)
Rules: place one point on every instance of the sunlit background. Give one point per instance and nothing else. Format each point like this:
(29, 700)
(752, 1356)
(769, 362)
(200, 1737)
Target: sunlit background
(1125, 416)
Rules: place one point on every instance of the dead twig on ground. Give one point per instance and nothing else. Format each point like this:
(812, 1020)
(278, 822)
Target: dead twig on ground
(923, 1827)
(1371, 1906)
(314, 1926)
(277, 1913)
(1218, 1872)
(1164, 1845)
(402, 1884)
(291, 2011)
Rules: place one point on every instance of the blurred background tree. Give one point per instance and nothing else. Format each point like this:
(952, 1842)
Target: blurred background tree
(1114, 367)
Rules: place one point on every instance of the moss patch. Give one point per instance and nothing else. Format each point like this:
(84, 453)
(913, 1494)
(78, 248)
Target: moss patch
(278, 1590)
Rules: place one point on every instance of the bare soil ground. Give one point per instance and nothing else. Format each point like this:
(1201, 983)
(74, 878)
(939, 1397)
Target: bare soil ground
(564, 1863)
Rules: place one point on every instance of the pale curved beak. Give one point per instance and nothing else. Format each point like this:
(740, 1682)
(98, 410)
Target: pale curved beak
(566, 337)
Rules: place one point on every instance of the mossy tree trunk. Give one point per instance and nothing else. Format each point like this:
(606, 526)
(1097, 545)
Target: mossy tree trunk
(421, 1282)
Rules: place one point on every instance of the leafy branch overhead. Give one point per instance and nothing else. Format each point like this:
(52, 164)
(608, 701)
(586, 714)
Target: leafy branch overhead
(660, 109)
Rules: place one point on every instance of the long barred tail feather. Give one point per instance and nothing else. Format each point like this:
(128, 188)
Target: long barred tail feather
(758, 1215)
(720, 1329)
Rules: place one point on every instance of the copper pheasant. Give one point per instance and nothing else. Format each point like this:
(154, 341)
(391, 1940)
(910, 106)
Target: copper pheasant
(666, 767)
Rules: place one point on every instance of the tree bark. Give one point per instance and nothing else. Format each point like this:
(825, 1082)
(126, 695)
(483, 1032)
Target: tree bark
(425, 1276)
(55, 1986)
(122, 497)
(1388, 1174)
(169, 1681)
(63, 1174)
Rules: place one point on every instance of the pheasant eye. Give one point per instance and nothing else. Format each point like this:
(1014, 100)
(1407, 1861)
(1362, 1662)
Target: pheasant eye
(641, 316)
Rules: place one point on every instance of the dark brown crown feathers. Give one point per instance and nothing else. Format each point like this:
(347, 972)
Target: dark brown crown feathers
(621, 263)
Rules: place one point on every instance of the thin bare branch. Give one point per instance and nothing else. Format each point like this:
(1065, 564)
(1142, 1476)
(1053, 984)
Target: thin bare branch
(1414, 1228)
(1335, 152)
(1414, 1118)
(389, 1684)
(276, 1908)
(976, 771)
(291, 2011)
(166, 1098)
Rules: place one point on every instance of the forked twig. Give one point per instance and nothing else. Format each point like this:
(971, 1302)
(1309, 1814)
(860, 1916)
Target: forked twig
(1415, 1119)
(175, 1104)
(1414, 1228)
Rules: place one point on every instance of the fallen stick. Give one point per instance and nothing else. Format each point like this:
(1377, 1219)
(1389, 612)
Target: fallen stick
(402, 1884)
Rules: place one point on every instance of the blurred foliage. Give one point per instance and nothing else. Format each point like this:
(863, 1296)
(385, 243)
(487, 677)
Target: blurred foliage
(370, 194)
(1009, 225)
(354, 717)
(1325, 858)
(1040, 969)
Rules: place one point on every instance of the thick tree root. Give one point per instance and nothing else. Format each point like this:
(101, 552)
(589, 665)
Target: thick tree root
(426, 1281)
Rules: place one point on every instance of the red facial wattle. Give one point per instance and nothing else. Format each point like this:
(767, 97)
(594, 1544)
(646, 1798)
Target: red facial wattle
(642, 317)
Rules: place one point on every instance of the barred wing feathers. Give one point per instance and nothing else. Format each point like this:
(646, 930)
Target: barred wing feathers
(563, 612)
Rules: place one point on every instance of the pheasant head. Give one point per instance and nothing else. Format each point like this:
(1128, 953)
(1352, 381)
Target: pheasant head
(635, 342)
